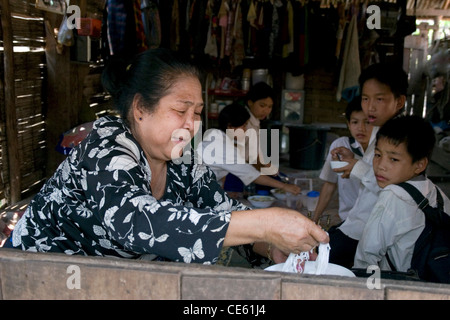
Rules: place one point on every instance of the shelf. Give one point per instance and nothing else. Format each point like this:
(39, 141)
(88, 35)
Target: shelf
(227, 93)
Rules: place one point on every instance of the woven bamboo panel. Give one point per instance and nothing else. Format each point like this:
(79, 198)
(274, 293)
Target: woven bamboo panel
(29, 74)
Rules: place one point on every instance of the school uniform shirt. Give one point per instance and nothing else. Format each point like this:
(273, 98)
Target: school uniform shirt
(362, 171)
(394, 226)
(347, 188)
(254, 125)
(223, 155)
(99, 202)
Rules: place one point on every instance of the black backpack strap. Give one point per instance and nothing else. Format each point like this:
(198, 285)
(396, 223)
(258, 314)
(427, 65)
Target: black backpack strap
(436, 215)
(418, 197)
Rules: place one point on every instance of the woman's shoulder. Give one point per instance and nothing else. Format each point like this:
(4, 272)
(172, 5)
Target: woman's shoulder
(111, 122)
(110, 136)
(110, 128)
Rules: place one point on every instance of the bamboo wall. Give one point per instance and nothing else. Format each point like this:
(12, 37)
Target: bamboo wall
(28, 81)
(47, 92)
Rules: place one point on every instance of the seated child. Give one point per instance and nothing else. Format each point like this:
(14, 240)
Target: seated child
(223, 150)
(403, 149)
(348, 189)
(383, 95)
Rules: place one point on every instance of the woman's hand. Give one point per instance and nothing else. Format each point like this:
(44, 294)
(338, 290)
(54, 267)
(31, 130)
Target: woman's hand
(278, 256)
(290, 231)
(287, 230)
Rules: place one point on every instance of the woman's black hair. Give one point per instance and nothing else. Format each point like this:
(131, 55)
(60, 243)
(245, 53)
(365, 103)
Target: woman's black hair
(233, 115)
(260, 90)
(149, 74)
(417, 134)
(388, 74)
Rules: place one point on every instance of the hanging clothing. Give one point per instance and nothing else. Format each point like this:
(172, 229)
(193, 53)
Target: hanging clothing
(151, 23)
(351, 68)
(116, 25)
(287, 31)
(141, 42)
(175, 27)
(238, 52)
(124, 32)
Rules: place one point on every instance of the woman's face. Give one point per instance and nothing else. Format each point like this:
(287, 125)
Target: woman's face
(164, 132)
(261, 108)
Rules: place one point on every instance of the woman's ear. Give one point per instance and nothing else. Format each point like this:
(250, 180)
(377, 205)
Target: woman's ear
(421, 165)
(136, 106)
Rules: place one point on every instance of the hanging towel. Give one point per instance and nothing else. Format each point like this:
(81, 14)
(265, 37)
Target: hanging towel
(351, 68)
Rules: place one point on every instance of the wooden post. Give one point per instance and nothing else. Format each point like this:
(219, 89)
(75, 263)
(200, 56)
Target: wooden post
(10, 106)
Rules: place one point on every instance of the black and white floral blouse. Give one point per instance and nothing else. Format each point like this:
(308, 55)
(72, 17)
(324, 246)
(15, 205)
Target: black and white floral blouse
(99, 202)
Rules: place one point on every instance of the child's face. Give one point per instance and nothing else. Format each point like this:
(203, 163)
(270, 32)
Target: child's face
(360, 128)
(379, 103)
(393, 164)
(261, 108)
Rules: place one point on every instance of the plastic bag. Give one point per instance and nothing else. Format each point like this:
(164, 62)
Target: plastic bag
(65, 34)
(296, 262)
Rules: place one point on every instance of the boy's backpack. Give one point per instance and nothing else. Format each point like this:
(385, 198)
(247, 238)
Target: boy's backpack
(431, 257)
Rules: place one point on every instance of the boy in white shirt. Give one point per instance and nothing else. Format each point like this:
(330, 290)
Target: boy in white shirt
(360, 131)
(383, 96)
(403, 148)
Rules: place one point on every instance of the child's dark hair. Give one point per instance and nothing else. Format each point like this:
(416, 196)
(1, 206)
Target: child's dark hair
(388, 74)
(150, 74)
(260, 90)
(414, 131)
(233, 115)
(352, 106)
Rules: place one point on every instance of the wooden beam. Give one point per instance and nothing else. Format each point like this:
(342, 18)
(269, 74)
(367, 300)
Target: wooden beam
(429, 12)
(10, 106)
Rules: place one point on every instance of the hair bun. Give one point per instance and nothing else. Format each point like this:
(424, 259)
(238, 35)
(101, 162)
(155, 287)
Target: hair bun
(114, 75)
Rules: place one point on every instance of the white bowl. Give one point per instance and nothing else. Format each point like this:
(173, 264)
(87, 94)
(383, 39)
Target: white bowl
(338, 164)
(310, 268)
(261, 201)
(278, 193)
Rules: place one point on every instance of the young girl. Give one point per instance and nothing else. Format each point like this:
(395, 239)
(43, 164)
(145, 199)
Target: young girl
(224, 154)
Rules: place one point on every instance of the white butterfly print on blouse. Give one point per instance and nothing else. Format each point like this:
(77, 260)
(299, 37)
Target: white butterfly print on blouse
(190, 254)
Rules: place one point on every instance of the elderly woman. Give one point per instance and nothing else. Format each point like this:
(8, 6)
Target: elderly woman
(120, 192)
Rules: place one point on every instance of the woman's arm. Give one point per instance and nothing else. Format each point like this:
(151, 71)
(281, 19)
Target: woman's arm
(286, 229)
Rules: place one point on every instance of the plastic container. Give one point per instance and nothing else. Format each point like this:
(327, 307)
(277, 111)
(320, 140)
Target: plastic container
(313, 198)
(260, 75)
(295, 82)
(307, 146)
